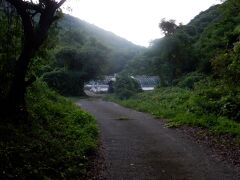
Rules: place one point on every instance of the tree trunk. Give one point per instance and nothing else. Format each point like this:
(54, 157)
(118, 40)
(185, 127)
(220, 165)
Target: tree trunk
(16, 98)
(33, 38)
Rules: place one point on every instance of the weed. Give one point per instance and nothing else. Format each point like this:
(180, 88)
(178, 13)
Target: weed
(180, 107)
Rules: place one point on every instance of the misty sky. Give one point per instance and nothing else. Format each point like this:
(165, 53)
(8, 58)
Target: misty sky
(137, 20)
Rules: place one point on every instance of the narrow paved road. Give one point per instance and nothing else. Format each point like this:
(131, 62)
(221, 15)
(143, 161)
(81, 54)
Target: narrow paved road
(139, 147)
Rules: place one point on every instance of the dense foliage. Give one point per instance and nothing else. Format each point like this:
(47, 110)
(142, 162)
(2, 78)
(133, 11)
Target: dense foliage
(85, 52)
(181, 106)
(120, 52)
(125, 87)
(54, 142)
(202, 56)
(49, 137)
(29, 22)
(73, 67)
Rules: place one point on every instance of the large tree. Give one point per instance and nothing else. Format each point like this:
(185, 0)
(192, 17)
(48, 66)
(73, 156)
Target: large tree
(36, 17)
(168, 27)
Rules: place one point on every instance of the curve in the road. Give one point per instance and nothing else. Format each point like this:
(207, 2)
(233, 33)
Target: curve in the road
(139, 147)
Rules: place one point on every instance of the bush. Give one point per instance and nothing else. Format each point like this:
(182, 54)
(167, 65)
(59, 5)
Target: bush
(189, 80)
(202, 107)
(65, 83)
(54, 143)
(211, 96)
(125, 87)
(230, 107)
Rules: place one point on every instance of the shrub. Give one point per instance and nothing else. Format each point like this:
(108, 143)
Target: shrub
(230, 107)
(125, 87)
(55, 142)
(189, 80)
(65, 83)
(211, 96)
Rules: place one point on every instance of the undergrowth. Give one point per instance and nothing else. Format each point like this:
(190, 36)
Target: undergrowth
(55, 142)
(179, 106)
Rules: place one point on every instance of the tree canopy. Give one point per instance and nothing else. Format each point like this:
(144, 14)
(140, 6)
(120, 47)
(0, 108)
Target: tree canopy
(168, 27)
(36, 17)
(202, 55)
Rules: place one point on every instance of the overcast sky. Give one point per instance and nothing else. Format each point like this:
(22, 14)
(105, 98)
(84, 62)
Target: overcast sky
(137, 20)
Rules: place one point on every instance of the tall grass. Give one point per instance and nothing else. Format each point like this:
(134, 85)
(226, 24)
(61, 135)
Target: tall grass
(179, 107)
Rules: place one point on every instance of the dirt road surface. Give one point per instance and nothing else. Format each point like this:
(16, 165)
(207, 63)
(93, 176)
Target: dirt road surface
(139, 147)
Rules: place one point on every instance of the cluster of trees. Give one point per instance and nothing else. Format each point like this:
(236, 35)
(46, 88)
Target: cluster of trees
(24, 29)
(37, 40)
(176, 54)
(84, 52)
(205, 51)
(75, 66)
(120, 51)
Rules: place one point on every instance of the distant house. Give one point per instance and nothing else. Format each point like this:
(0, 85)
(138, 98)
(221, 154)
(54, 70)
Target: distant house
(147, 83)
(98, 86)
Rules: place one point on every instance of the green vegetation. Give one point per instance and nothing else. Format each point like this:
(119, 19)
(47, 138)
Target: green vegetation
(42, 135)
(181, 106)
(54, 142)
(45, 136)
(84, 52)
(75, 66)
(192, 47)
(125, 87)
(199, 69)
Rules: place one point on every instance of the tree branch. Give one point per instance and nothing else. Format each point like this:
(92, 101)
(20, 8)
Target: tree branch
(60, 3)
(26, 19)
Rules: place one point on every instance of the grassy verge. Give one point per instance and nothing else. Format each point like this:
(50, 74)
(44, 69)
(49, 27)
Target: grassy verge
(54, 143)
(177, 105)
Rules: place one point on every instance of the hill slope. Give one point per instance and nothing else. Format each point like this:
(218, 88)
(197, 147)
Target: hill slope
(106, 37)
(121, 51)
(202, 56)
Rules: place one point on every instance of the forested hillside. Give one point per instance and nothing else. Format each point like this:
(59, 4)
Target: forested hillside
(192, 47)
(178, 53)
(199, 69)
(105, 37)
(84, 52)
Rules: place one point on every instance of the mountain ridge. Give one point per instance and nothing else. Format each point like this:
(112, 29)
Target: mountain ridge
(106, 37)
